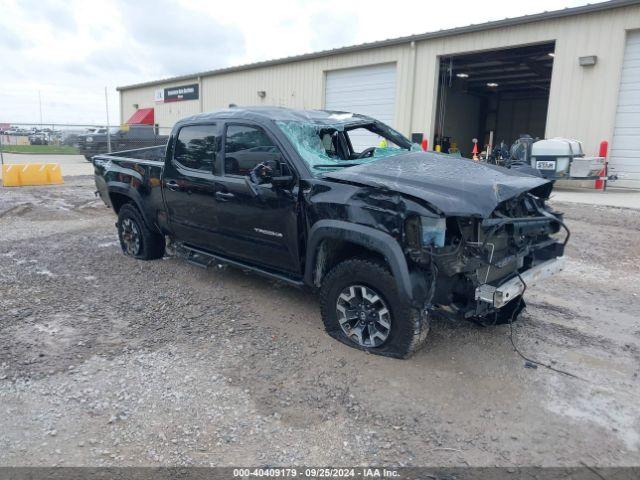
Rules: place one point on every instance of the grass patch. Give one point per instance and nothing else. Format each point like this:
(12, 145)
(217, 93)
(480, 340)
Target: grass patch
(41, 149)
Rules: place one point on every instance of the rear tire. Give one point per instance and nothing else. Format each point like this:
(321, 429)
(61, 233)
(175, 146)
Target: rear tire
(136, 239)
(358, 298)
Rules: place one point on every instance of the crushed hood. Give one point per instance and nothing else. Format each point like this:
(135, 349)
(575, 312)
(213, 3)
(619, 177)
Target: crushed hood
(455, 186)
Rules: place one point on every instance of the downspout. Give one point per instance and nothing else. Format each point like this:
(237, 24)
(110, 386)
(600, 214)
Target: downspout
(412, 90)
(200, 103)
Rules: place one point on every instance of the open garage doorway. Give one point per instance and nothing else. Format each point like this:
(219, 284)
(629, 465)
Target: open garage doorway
(501, 91)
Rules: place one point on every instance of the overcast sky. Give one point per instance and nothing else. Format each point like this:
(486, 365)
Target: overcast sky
(70, 50)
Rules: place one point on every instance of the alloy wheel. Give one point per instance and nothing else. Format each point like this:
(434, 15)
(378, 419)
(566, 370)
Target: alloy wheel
(130, 237)
(363, 316)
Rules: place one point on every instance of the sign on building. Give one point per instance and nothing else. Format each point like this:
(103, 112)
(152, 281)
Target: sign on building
(184, 92)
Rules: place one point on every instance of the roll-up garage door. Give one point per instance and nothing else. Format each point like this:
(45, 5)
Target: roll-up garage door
(624, 159)
(367, 90)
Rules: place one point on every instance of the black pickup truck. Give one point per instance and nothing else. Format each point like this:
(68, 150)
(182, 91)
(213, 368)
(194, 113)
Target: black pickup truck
(388, 235)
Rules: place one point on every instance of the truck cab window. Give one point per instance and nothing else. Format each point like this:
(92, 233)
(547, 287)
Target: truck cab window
(246, 147)
(196, 147)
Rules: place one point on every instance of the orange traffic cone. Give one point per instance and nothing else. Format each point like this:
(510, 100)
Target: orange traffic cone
(475, 149)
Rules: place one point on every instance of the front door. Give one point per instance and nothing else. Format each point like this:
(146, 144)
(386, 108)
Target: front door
(257, 223)
(189, 186)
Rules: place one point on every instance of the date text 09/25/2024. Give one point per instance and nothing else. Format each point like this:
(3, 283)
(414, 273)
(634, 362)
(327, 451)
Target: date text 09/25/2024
(315, 472)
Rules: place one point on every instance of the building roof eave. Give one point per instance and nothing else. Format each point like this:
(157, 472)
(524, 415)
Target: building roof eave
(507, 22)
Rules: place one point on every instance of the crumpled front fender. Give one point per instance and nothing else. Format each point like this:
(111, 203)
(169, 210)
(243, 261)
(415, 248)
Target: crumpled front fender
(369, 238)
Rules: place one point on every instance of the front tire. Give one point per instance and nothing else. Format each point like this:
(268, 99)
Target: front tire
(136, 239)
(362, 308)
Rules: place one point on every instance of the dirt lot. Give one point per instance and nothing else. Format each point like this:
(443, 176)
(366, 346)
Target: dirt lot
(105, 360)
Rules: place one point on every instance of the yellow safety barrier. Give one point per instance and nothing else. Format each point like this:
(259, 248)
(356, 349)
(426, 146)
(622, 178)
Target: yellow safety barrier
(23, 174)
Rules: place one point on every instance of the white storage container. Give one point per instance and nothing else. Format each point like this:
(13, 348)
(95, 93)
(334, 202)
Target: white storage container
(553, 157)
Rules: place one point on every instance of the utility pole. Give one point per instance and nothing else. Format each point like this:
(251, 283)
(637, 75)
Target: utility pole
(106, 99)
(40, 103)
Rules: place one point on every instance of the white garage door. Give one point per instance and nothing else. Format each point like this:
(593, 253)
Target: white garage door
(366, 90)
(625, 147)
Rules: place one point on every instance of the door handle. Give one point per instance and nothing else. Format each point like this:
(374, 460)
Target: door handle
(224, 196)
(173, 185)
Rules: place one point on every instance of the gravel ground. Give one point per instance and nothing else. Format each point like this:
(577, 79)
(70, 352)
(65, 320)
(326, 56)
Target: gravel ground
(105, 360)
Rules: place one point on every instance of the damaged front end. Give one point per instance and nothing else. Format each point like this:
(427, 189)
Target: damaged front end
(481, 265)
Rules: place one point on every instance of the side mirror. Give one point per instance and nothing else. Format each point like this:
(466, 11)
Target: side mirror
(282, 182)
(261, 173)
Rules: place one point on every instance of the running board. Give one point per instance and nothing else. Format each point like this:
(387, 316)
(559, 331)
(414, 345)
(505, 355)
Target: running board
(203, 259)
(197, 259)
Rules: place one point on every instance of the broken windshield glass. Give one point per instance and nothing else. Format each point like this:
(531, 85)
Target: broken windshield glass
(327, 147)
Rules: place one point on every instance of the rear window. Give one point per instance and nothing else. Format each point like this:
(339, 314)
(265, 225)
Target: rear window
(196, 147)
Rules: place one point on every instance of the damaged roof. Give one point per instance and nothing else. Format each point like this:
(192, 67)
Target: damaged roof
(280, 114)
(507, 22)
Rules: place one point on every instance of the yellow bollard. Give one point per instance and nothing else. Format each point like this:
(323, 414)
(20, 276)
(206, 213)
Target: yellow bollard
(11, 175)
(33, 174)
(54, 174)
(22, 174)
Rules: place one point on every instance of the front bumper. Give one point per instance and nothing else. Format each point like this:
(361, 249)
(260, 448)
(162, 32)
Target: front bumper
(499, 296)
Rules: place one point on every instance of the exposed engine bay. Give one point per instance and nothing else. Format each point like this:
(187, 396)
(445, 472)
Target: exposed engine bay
(473, 260)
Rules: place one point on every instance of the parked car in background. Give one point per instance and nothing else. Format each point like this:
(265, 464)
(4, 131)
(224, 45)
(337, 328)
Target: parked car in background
(133, 136)
(39, 138)
(388, 236)
(70, 137)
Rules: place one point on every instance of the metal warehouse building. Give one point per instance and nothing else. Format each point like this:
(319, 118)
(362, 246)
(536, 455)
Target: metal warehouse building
(568, 73)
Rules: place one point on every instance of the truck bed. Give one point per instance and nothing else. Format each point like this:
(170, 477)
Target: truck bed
(132, 175)
(155, 153)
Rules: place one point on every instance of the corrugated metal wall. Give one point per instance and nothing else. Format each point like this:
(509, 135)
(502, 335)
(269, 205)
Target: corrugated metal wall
(300, 84)
(582, 101)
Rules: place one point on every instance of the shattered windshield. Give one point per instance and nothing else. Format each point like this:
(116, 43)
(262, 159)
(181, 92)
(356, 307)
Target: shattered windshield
(327, 147)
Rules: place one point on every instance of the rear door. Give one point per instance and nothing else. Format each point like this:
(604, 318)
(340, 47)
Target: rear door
(189, 185)
(259, 224)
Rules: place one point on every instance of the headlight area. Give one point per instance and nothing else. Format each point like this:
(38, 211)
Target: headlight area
(428, 238)
(433, 231)
(441, 249)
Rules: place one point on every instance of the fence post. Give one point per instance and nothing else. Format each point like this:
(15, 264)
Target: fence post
(106, 100)
(601, 182)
